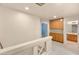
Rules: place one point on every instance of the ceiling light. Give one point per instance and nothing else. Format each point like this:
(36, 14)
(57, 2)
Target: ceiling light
(27, 8)
(55, 16)
(61, 19)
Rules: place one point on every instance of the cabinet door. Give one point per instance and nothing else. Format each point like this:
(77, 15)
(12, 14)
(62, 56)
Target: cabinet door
(56, 24)
(52, 24)
(57, 37)
(53, 36)
(71, 37)
(60, 38)
(60, 23)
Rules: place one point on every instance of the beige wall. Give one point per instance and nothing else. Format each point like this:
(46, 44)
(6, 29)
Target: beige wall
(17, 27)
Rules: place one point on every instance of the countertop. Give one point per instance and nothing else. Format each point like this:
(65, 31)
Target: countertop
(73, 33)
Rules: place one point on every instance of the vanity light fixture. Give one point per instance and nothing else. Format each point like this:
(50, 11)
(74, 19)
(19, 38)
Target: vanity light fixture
(72, 22)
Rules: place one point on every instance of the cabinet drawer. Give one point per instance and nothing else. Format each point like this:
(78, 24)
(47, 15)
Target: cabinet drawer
(72, 37)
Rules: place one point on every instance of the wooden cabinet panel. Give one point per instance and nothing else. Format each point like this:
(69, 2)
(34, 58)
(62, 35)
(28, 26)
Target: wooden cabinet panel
(72, 37)
(56, 24)
(60, 37)
(52, 25)
(53, 35)
(57, 37)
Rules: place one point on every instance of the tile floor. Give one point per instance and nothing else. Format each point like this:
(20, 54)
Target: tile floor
(56, 48)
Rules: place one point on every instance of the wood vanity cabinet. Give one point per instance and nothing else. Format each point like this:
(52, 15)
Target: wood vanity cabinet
(72, 37)
(57, 37)
(56, 24)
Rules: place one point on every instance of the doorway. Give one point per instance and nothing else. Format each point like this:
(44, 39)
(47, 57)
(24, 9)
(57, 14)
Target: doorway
(44, 29)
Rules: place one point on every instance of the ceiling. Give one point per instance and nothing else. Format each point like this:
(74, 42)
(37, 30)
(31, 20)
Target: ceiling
(48, 10)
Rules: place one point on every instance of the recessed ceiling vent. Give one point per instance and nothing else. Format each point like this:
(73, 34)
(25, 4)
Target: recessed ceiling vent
(40, 4)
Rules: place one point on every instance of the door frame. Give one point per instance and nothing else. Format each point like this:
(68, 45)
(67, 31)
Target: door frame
(46, 22)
